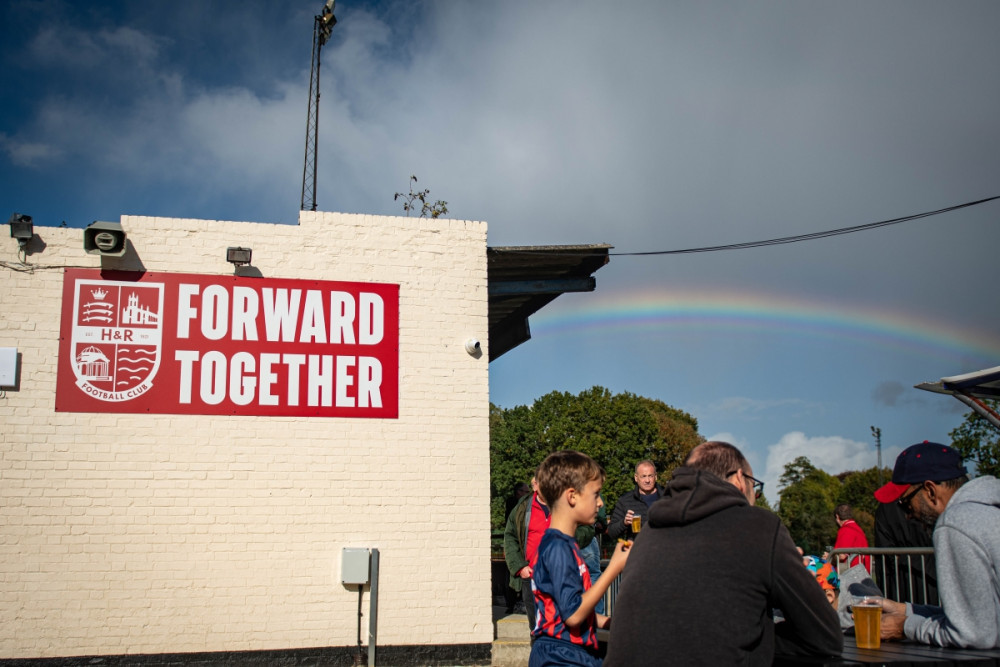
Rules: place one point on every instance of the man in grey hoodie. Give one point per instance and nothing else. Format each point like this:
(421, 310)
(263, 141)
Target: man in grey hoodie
(930, 483)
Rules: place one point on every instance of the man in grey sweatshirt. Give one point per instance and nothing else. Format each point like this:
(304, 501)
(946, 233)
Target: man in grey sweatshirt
(930, 484)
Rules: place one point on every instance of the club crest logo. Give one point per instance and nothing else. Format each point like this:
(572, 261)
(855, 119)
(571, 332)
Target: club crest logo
(117, 338)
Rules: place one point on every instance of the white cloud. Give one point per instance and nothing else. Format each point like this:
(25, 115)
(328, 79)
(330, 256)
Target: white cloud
(745, 406)
(832, 454)
(27, 153)
(75, 49)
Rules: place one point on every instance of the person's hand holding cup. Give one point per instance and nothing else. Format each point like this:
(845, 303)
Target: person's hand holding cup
(893, 619)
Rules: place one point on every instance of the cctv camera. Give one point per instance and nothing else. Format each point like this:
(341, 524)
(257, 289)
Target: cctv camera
(472, 346)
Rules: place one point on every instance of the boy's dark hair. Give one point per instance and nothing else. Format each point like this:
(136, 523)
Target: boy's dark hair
(843, 512)
(563, 470)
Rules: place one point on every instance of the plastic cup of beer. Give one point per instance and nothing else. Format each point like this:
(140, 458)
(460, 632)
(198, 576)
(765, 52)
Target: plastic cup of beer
(868, 622)
(636, 524)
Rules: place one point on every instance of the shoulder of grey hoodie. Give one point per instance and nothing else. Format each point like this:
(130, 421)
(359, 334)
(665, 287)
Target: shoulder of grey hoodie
(973, 500)
(973, 506)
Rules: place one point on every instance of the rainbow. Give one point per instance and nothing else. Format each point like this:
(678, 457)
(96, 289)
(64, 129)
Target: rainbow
(677, 311)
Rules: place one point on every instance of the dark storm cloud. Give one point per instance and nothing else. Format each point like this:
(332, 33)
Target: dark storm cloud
(888, 393)
(648, 125)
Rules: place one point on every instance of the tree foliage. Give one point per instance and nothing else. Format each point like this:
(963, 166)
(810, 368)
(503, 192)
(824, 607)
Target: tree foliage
(808, 498)
(857, 489)
(617, 430)
(979, 441)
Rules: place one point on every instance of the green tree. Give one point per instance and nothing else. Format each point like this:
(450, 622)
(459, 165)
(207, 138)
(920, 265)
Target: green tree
(808, 497)
(979, 441)
(762, 502)
(617, 430)
(794, 472)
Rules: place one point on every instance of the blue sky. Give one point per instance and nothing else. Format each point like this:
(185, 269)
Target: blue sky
(646, 125)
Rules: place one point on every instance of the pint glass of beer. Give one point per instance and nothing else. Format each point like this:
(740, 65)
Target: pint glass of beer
(868, 622)
(636, 524)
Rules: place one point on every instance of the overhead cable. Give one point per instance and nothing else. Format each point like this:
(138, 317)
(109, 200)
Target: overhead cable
(806, 237)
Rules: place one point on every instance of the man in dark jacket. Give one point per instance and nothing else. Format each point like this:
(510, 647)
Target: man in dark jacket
(635, 502)
(707, 571)
(893, 530)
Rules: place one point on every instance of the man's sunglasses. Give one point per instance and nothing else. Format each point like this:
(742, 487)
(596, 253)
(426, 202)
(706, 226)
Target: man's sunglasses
(906, 499)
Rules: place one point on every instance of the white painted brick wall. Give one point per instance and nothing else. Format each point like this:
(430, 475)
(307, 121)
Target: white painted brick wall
(127, 533)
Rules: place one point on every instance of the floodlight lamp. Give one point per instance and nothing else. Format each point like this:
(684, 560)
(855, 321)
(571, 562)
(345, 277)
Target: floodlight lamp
(238, 256)
(325, 21)
(21, 228)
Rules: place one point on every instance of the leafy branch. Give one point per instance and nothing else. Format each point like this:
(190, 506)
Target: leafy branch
(410, 200)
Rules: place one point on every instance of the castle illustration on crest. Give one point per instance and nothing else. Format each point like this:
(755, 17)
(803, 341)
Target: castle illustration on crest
(133, 313)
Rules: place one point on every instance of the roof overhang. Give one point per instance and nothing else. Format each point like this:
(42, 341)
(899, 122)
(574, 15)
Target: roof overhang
(971, 388)
(524, 279)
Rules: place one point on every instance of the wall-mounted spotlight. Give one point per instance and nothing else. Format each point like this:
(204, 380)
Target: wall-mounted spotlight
(21, 228)
(238, 256)
(104, 238)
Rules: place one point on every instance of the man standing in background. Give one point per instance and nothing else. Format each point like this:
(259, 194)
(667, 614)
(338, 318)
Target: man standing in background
(635, 502)
(527, 522)
(850, 535)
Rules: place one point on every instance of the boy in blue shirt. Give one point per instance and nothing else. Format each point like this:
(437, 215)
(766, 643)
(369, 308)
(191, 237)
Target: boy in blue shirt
(565, 621)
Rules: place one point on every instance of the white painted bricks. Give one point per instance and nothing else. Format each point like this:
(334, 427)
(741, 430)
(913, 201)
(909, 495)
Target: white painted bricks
(123, 534)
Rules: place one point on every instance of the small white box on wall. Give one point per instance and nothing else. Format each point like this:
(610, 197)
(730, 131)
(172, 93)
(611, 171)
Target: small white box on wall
(8, 367)
(355, 566)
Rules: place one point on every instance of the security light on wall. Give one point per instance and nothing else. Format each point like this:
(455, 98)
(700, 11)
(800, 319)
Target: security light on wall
(104, 238)
(21, 228)
(238, 256)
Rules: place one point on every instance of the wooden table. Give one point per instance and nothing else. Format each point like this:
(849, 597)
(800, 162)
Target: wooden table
(896, 654)
(901, 654)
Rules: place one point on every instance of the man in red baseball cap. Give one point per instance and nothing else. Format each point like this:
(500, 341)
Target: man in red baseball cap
(930, 484)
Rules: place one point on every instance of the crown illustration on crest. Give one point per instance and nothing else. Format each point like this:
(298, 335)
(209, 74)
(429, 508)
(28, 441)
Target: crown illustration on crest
(99, 294)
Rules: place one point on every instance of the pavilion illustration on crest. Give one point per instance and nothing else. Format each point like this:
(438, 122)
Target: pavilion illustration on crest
(92, 364)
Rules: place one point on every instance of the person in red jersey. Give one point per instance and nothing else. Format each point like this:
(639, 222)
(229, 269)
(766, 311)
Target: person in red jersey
(850, 535)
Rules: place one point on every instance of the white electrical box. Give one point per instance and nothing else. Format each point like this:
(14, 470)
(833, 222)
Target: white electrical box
(8, 367)
(354, 565)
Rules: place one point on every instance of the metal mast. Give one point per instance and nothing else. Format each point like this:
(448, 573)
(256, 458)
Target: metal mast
(322, 27)
(877, 432)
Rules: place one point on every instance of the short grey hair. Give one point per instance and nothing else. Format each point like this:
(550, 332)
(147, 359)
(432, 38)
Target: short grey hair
(719, 458)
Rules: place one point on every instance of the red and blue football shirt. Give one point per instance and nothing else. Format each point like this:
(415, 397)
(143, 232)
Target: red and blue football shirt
(560, 577)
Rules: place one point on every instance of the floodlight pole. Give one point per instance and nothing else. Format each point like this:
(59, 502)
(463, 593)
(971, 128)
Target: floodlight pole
(322, 26)
(877, 432)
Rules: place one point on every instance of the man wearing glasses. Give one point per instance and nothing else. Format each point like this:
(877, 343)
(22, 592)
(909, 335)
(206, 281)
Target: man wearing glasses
(706, 572)
(930, 484)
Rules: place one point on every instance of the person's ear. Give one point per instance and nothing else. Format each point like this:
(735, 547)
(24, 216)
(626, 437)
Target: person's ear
(739, 481)
(830, 595)
(934, 495)
(570, 495)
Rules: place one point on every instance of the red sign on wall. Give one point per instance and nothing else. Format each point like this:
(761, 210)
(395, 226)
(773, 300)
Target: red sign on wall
(218, 345)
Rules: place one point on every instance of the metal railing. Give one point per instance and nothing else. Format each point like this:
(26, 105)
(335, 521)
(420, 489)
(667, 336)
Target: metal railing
(904, 575)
